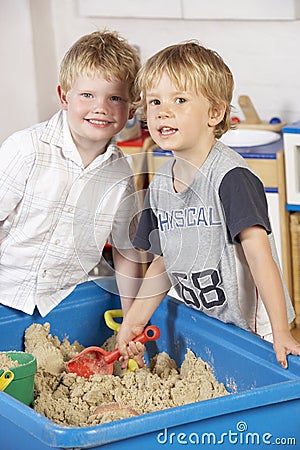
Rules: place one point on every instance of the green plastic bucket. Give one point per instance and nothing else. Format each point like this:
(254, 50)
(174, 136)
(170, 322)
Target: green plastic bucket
(22, 385)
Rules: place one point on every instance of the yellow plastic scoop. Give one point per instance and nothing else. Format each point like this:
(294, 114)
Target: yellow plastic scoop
(5, 379)
(109, 316)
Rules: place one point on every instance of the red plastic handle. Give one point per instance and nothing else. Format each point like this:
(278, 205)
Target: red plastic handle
(151, 333)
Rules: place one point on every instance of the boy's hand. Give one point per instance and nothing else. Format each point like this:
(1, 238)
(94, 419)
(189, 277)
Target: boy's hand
(285, 344)
(129, 349)
(136, 351)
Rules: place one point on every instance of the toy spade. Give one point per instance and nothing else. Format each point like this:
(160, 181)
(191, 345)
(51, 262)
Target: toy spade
(109, 317)
(95, 360)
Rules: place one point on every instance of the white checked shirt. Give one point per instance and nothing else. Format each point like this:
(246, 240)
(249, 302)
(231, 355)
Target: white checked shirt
(56, 215)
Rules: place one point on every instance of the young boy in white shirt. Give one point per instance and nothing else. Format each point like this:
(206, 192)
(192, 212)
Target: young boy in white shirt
(205, 216)
(66, 188)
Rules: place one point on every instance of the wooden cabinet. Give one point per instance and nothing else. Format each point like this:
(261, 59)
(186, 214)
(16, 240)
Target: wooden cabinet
(135, 153)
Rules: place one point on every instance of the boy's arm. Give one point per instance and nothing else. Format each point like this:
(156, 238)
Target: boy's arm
(154, 288)
(16, 164)
(129, 273)
(264, 270)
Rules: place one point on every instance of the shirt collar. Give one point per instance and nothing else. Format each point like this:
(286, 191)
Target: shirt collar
(69, 149)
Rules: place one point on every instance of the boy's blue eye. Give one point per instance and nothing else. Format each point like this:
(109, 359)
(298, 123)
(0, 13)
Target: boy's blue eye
(155, 102)
(86, 95)
(116, 98)
(180, 100)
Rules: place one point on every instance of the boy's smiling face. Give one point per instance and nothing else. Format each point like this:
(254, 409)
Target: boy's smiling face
(97, 110)
(178, 120)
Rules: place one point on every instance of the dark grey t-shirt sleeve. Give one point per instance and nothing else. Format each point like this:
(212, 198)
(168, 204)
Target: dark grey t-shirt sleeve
(244, 201)
(147, 235)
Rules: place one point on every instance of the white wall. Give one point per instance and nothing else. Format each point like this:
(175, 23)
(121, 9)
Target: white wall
(17, 75)
(34, 35)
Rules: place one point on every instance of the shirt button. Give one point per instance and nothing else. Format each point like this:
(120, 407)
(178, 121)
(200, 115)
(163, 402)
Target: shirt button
(70, 209)
(44, 273)
(57, 241)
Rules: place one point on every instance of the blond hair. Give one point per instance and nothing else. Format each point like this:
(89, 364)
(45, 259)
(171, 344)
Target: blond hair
(190, 66)
(101, 52)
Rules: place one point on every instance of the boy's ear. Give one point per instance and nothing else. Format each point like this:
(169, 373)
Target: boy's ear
(131, 113)
(62, 98)
(216, 114)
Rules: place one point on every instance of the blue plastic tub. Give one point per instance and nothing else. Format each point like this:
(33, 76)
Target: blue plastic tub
(262, 411)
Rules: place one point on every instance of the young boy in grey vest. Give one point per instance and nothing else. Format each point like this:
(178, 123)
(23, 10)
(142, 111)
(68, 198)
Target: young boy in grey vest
(205, 218)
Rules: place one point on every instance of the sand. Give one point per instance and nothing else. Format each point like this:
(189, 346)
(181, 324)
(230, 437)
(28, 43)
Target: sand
(70, 400)
(7, 363)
